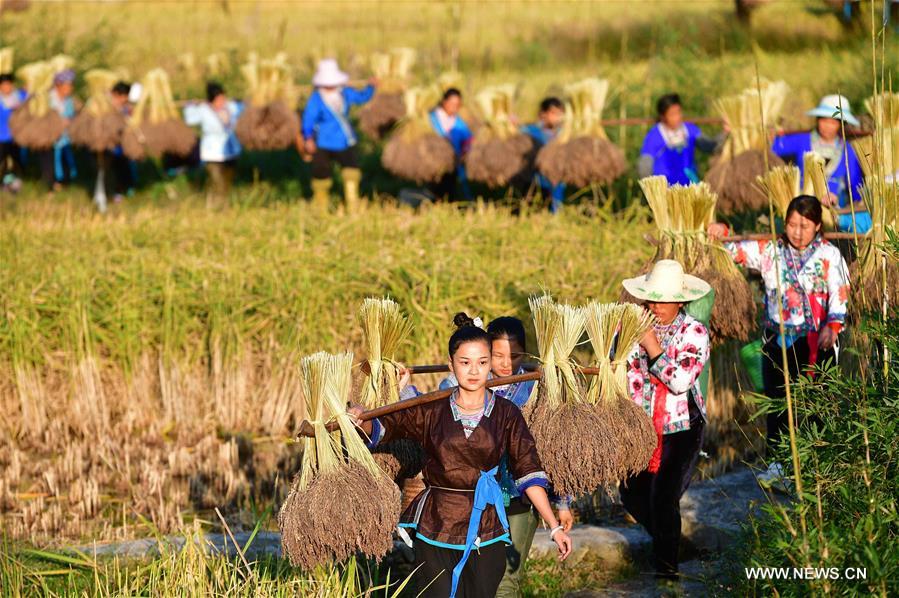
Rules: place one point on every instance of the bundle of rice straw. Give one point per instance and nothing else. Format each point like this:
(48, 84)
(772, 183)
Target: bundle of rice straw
(155, 126)
(878, 154)
(415, 150)
(781, 185)
(385, 328)
(387, 107)
(217, 64)
(582, 153)
(35, 124)
(682, 216)
(499, 151)
(742, 158)
(560, 418)
(815, 184)
(6, 59)
(340, 502)
(875, 275)
(99, 126)
(269, 121)
(614, 329)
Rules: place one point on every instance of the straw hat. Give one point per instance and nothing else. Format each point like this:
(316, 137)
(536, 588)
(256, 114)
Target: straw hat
(328, 74)
(834, 106)
(667, 283)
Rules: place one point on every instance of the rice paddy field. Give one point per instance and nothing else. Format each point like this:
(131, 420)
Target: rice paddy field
(148, 357)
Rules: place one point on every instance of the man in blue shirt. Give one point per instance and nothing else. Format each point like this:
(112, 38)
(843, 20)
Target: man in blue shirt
(549, 121)
(10, 153)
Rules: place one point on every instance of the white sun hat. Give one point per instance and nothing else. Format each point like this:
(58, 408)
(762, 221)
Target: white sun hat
(328, 74)
(667, 283)
(834, 106)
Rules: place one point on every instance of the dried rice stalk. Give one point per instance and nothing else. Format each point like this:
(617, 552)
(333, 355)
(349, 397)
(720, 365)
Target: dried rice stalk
(155, 126)
(6, 59)
(385, 328)
(582, 153)
(34, 125)
(499, 151)
(387, 108)
(682, 216)
(269, 122)
(781, 184)
(338, 477)
(815, 184)
(879, 154)
(614, 329)
(558, 328)
(876, 272)
(742, 158)
(99, 126)
(415, 151)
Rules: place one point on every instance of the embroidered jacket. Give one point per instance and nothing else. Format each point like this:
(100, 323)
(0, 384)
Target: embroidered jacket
(453, 464)
(815, 283)
(667, 382)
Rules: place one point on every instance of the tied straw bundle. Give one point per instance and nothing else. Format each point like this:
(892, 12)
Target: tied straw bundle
(7, 56)
(387, 107)
(99, 126)
(268, 121)
(682, 215)
(630, 438)
(499, 151)
(415, 151)
(781, 185)
(35, 124)
(742, 158)
(878, 154)
(876, 272)
(340, 502)
(560, 418)
(815, 184)
(385, 328)
(582, 153)
(155, 126)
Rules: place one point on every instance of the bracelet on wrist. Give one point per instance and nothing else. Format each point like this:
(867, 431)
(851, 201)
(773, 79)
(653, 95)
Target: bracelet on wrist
(555, 530)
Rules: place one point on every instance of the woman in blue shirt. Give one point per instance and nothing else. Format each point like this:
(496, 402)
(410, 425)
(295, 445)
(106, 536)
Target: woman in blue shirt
(446, 121)
(669, 148)
(844, 174)
(328, 136)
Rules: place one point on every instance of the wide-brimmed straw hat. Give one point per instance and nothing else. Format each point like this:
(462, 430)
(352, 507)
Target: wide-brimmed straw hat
(328, 74)
(834, 106)
(667, 283)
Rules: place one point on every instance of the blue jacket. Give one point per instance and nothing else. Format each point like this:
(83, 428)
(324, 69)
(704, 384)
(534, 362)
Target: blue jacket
(459, 136)
(678, 165)
(5, 113)
(327, 128)
(794, 147)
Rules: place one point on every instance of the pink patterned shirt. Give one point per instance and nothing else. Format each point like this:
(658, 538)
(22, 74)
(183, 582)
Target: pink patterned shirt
(671, 378)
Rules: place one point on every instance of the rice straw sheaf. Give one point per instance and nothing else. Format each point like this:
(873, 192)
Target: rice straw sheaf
(682, 215)
(582, 153)
(155, 126)
(499, 150)
(388, 106)
(99, 125)
(743, 156)
(875, 275)
(614, 329)
(415, 151)
(35, 124)
(268, 121)
(340, 503)
(815, 184)
(558, 414)
(385, 328)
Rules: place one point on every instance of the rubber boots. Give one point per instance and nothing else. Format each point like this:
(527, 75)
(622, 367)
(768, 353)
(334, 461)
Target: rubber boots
(321, 194)
(351, 178)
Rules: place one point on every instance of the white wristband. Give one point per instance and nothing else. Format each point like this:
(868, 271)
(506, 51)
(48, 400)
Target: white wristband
(553, 531)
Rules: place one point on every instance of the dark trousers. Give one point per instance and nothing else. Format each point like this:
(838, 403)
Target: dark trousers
(123, 179)
(480, 578)
(10, 158)
(773, 375)
(653, 499)
(322, 160)
(47, 162)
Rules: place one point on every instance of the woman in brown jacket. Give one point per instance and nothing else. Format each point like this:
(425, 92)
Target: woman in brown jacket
(459, 518)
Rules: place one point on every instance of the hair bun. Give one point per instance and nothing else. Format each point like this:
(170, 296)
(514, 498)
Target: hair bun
(461, 320)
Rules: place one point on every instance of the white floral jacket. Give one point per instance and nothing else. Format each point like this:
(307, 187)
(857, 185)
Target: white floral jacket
(671, 378)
